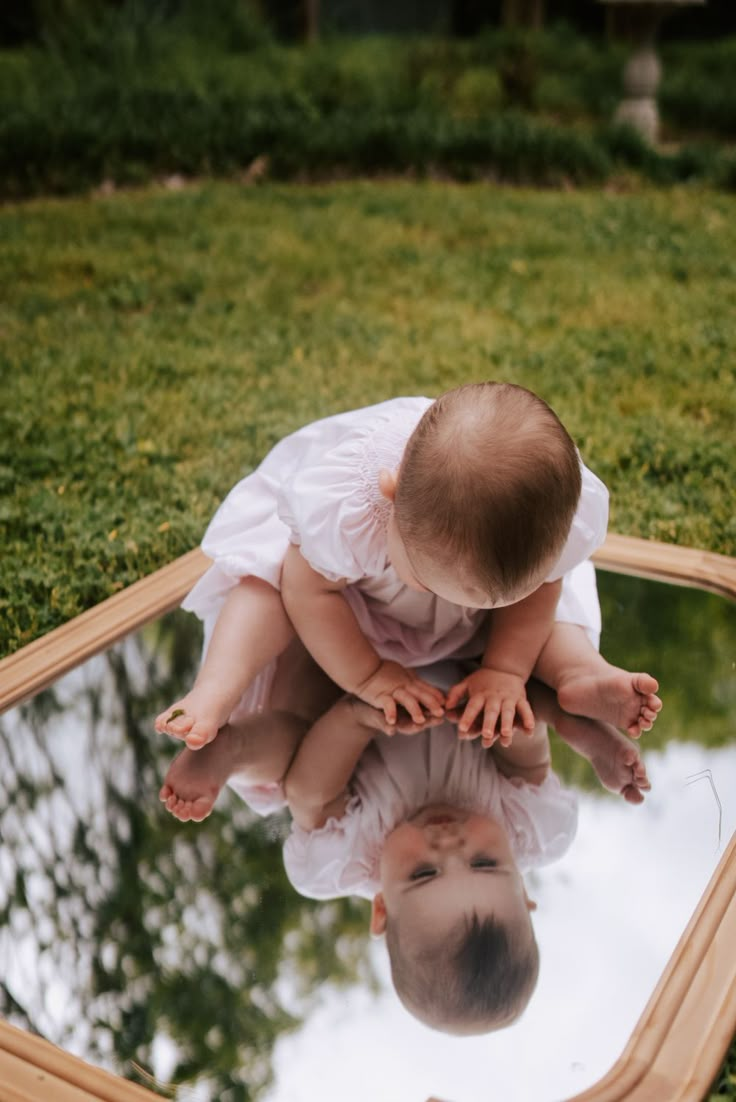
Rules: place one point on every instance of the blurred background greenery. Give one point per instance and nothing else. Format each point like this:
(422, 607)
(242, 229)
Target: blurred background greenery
(123, 90)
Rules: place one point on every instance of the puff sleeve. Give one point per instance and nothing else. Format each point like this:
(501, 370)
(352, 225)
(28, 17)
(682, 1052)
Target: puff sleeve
(335, 860)
(335, 514)
(541, 820)
(589, 525)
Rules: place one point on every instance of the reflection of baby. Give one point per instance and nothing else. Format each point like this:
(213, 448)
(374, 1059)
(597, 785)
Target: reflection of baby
(435, 832)
(433, 829)
(383, 535)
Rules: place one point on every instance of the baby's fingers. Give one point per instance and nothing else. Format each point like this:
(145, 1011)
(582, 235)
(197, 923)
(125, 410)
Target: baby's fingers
(506, 722)
(387, 704)
(409, 727)
(408, 700)
(472, 710)
(525, 714)
(456, 693)
(490, 718)
(430, 697)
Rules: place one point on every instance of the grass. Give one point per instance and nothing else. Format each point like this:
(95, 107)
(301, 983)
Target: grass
(156, 344)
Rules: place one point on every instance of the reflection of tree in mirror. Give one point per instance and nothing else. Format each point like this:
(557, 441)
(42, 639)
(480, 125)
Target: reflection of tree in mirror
(686, 638)
(126, 936)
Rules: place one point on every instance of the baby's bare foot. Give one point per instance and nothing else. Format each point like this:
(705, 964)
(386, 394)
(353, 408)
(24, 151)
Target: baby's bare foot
(627, 700)
(195, 719)
(619, 767)
(615, 759)
(194, 780)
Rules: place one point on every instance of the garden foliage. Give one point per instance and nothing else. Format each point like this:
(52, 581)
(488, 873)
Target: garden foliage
(128, 95)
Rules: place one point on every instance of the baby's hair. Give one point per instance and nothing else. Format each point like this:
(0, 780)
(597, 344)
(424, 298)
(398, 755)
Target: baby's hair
(481, 981)
(491, 479)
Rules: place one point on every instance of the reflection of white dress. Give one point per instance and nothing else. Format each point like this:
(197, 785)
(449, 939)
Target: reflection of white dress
(396, 777)
(318, 488)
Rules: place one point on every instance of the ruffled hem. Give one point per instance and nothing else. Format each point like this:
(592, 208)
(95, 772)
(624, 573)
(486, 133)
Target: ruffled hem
(335, 860)
(541, 820)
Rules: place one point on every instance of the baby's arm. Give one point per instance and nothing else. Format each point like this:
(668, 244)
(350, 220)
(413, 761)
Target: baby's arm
(527, 758)
(329, 630)
(316, 782)
(516, 637)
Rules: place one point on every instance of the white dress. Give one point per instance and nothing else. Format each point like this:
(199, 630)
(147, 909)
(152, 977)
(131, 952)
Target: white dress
(397, 776)
(318, 489)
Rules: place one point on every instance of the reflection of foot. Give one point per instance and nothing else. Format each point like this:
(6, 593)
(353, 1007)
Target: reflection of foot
(195, 719)
(614, 757)
(627, 700)
(193, 781)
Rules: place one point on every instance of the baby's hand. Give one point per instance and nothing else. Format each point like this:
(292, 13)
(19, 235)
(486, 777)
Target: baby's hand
(392, 685)
(500, 697)
(375, 719)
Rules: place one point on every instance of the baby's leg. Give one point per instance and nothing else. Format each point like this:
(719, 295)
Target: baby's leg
(258, 749)
(251, 630)
(615, 759)
(587, 685)
(300, 686)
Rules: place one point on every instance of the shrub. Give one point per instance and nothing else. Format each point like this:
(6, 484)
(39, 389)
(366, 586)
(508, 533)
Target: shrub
(128, 98)
(698, 91)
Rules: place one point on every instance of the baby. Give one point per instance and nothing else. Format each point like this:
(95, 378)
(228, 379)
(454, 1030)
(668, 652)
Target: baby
(383, 537)
(434, 831)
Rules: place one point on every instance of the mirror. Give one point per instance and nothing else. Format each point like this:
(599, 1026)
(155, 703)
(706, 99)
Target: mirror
(178, 953)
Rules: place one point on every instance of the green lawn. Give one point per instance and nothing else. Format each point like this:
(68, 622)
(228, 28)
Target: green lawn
(155, 344)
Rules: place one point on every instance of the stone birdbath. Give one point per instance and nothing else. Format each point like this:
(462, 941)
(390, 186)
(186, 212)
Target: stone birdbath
(641, 20)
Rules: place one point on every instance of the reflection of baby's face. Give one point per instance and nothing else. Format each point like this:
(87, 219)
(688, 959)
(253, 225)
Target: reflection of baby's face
(444, 863)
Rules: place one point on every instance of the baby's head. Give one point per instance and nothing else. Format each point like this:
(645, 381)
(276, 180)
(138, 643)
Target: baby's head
(456, 918)
(485, 495)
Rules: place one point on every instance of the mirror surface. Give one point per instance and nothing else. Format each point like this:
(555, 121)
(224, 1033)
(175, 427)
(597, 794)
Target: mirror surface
(179, 953)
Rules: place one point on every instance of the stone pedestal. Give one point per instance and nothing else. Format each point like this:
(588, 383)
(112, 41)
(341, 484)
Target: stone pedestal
(641, 80)
(638, 21)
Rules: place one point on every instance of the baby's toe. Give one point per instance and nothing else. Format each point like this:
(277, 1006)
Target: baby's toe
(645, 684)
(200, 808)
(199, 735)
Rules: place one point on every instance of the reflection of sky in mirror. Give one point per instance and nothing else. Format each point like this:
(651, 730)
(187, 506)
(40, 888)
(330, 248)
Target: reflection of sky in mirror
(609, 915)
(82, 779)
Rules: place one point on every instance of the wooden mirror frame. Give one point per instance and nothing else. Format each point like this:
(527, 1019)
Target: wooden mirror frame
(684, 1032)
